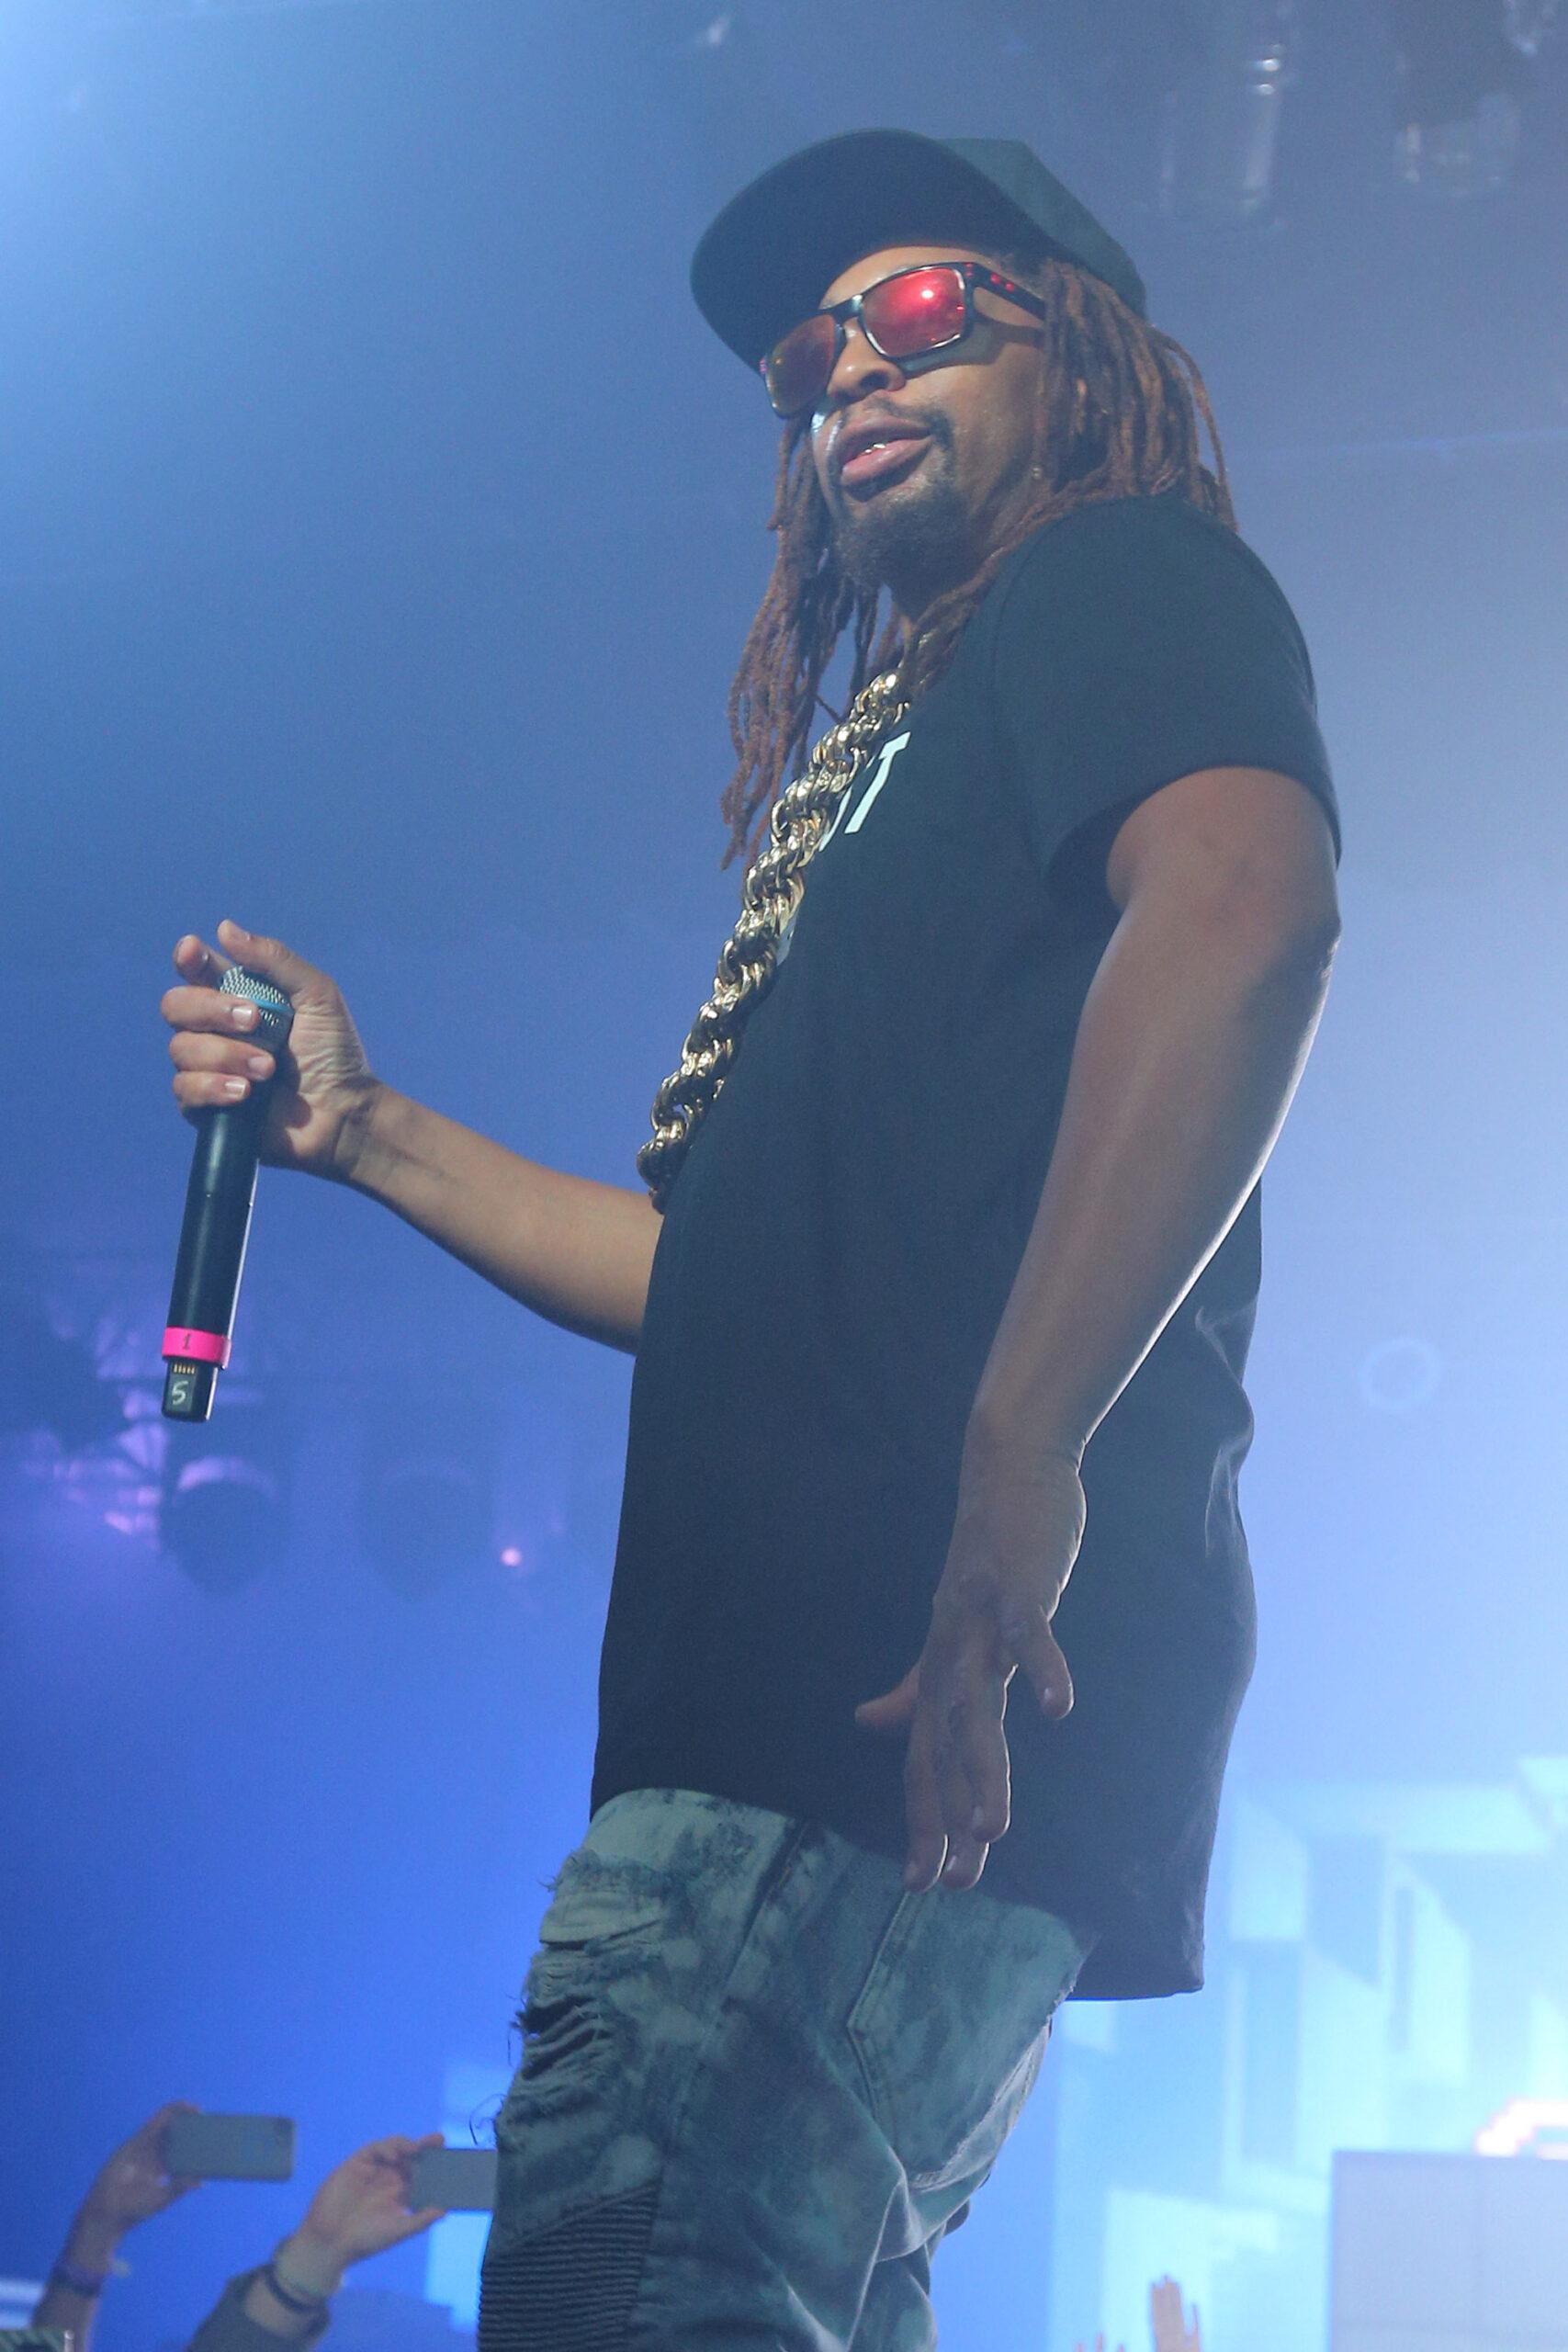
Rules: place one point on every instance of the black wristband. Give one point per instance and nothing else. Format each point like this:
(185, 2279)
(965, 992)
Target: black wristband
(302, 2307)
(77, 2281)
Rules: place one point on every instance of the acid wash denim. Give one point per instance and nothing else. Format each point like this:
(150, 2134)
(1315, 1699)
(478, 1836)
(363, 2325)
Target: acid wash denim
(759, 2081)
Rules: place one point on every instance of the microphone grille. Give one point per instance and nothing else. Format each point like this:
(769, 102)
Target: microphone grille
(236, 981)
(276, 1014)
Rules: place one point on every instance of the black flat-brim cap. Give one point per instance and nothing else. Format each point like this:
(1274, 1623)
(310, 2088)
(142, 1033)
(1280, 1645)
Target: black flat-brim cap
(764, 265)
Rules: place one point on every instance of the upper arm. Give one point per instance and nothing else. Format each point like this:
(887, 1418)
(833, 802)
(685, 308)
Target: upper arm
(1156, 706)
(1236, 839)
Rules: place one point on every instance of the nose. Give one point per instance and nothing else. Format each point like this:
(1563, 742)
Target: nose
(859, 369)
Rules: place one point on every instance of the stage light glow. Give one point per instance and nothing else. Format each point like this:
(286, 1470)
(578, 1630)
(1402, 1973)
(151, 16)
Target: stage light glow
(1536, 2127)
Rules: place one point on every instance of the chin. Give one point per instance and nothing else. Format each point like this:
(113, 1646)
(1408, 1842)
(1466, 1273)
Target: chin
(909, 526)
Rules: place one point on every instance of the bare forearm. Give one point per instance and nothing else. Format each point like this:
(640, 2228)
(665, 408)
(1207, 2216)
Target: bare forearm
(577, 1252)
(1185, 1064)
(91, 2247)
(310, 2271)
(59, 2307)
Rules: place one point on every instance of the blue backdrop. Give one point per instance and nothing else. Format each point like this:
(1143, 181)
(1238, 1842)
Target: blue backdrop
(378, 526)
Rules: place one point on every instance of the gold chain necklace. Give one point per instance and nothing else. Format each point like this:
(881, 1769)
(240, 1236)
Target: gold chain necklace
(803, 816)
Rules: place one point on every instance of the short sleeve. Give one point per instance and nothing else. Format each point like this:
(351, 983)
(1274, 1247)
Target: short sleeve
(1134, 642)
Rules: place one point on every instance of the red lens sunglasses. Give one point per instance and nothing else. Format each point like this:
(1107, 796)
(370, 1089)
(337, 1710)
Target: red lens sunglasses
(930, 306)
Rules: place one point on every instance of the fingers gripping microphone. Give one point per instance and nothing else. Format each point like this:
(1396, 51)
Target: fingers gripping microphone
(218, 1220)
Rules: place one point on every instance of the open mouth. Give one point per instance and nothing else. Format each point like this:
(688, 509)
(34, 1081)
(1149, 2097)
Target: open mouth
(879, 460)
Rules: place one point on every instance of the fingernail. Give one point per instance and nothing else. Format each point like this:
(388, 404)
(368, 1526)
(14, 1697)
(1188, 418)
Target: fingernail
(243, 1014)
(236, 1085)
(257, 1064)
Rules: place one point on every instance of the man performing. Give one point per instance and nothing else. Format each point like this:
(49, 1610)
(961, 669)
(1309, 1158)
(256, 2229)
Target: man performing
(941, 1292)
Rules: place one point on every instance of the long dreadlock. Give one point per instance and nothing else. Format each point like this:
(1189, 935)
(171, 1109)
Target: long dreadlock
(1120, 414)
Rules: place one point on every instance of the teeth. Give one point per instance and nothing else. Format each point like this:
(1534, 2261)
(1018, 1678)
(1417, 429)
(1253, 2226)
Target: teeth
(869, 448)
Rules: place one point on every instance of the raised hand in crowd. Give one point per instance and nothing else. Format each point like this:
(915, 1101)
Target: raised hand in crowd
(132, 2186)
(360, 2209)
(1168, 2319)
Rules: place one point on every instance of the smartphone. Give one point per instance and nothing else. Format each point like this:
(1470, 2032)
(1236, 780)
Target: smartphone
(460, 2180)
(230, 2147)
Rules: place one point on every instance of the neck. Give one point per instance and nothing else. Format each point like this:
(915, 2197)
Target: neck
(927, 574)
(915, 591)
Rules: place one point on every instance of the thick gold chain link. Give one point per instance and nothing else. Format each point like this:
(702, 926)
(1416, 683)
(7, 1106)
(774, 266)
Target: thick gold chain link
(802, 818)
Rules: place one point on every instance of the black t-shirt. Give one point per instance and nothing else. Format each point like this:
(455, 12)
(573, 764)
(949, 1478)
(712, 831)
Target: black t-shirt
(839, 1246)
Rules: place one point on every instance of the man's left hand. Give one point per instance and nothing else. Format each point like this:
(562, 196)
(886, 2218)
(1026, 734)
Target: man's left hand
(1014, 1540)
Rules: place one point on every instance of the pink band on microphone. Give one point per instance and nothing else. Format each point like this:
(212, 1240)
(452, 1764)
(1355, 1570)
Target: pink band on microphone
(195, 1346)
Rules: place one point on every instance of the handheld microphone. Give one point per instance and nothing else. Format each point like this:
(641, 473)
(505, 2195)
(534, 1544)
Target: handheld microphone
(217, 1224)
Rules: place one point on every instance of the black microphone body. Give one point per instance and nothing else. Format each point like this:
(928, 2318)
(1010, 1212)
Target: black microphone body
(217, 1224)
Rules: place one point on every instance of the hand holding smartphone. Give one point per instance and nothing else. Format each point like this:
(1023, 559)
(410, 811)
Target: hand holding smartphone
(460, 2180)
(230, 2147)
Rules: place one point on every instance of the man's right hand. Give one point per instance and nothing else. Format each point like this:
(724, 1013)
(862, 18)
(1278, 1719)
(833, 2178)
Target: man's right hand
(325, 1086)
(576, 1251)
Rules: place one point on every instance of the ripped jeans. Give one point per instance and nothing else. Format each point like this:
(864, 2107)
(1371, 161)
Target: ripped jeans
(759, 2082)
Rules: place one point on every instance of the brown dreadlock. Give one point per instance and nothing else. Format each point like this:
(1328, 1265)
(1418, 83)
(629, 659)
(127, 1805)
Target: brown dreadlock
(1119, 416)
(1120, 413)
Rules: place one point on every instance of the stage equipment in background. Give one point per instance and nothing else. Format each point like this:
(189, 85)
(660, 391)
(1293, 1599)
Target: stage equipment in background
(217, 1225)
(51, 1384)
(1463, 70)
(427, 1505)
(224, 1515)
(1221, 131)
(1468, 2251)
(1401, 1375)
